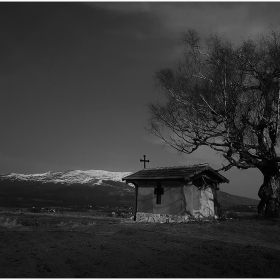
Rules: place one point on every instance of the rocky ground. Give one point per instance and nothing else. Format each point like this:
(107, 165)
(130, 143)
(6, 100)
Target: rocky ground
(76, 246)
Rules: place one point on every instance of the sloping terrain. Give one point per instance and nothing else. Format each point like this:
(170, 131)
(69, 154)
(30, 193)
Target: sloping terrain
(76, 187)
(227, 199)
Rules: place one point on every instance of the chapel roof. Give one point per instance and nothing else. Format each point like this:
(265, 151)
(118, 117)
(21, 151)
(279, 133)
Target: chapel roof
(176, 172)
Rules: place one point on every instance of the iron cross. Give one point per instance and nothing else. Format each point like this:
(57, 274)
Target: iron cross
(144, 160)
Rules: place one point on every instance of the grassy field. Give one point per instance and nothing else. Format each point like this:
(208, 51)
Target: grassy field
(78, 245)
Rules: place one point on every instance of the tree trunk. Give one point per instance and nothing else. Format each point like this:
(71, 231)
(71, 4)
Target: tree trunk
(269, 193)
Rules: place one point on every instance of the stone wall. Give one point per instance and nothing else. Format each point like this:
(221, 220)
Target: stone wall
(203, 202)
(165, 218)
(160, 218)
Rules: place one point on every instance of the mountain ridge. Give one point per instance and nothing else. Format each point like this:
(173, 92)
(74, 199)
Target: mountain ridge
(69, 176)
(79, 187)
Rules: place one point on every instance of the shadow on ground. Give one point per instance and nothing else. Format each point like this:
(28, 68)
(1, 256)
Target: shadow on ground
(51, 246)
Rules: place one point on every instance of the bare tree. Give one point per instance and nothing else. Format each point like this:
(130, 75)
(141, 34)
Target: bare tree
(227, 97)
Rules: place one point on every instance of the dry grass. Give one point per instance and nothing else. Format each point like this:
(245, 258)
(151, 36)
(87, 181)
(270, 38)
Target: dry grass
(52, 221)
(8, 222)
(98, 247)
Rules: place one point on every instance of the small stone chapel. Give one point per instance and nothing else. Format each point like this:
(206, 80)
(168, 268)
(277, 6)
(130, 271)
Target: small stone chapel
(168, 194)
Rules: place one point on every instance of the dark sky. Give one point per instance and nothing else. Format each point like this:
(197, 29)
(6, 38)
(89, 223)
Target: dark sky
(76, 78)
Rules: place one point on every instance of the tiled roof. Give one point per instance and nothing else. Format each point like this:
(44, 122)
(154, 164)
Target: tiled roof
(176, 172)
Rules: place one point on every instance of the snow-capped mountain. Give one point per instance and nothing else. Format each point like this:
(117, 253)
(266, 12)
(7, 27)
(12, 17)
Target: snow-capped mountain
(74, 187)
(88, 177)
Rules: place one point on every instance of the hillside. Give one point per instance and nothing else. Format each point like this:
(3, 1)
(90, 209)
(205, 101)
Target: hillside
(77, 187)
(227, 199)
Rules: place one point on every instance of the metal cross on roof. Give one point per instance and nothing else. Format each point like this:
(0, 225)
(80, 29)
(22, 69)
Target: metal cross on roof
(144, 160)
